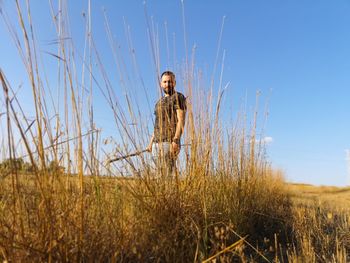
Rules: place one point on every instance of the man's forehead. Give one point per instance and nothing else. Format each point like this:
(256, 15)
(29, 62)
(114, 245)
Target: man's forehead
(167, 77)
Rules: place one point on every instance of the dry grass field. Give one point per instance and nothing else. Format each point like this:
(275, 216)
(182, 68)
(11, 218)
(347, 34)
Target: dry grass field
(322, 222)
(337, 197)
(214, 219)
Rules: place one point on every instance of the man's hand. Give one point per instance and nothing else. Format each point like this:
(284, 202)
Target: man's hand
(175, 148)
(149, 148)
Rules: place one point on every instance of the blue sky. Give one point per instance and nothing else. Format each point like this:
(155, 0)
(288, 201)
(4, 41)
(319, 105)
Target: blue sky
(296, 53)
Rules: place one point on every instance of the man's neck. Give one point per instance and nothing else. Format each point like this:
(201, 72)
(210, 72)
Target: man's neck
(167, 95)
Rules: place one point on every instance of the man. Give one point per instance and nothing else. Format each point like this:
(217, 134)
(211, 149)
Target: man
(170, 112)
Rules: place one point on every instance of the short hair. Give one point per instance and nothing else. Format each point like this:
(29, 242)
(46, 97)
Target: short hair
(168, 73)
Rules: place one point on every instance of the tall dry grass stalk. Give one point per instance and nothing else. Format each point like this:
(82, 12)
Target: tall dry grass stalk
(225, 203)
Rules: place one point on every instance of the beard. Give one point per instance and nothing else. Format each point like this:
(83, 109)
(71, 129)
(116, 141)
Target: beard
(169, 90)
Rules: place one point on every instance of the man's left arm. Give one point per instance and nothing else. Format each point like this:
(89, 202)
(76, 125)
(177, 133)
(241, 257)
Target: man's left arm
(180, 114)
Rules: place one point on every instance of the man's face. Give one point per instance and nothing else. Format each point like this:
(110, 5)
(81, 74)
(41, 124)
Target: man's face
(168, 84)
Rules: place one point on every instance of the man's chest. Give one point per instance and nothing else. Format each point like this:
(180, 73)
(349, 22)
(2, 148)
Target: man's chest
(165, 106)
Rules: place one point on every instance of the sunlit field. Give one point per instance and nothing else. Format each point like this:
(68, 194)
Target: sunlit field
(61, 202)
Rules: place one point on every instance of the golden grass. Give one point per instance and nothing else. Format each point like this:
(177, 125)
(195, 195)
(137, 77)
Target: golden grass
(131, 222)
(336, 197)
(166, 221)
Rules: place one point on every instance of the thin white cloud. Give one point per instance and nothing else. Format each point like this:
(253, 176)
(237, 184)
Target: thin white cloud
(347, 155)
(347, 159)
(266, 140)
